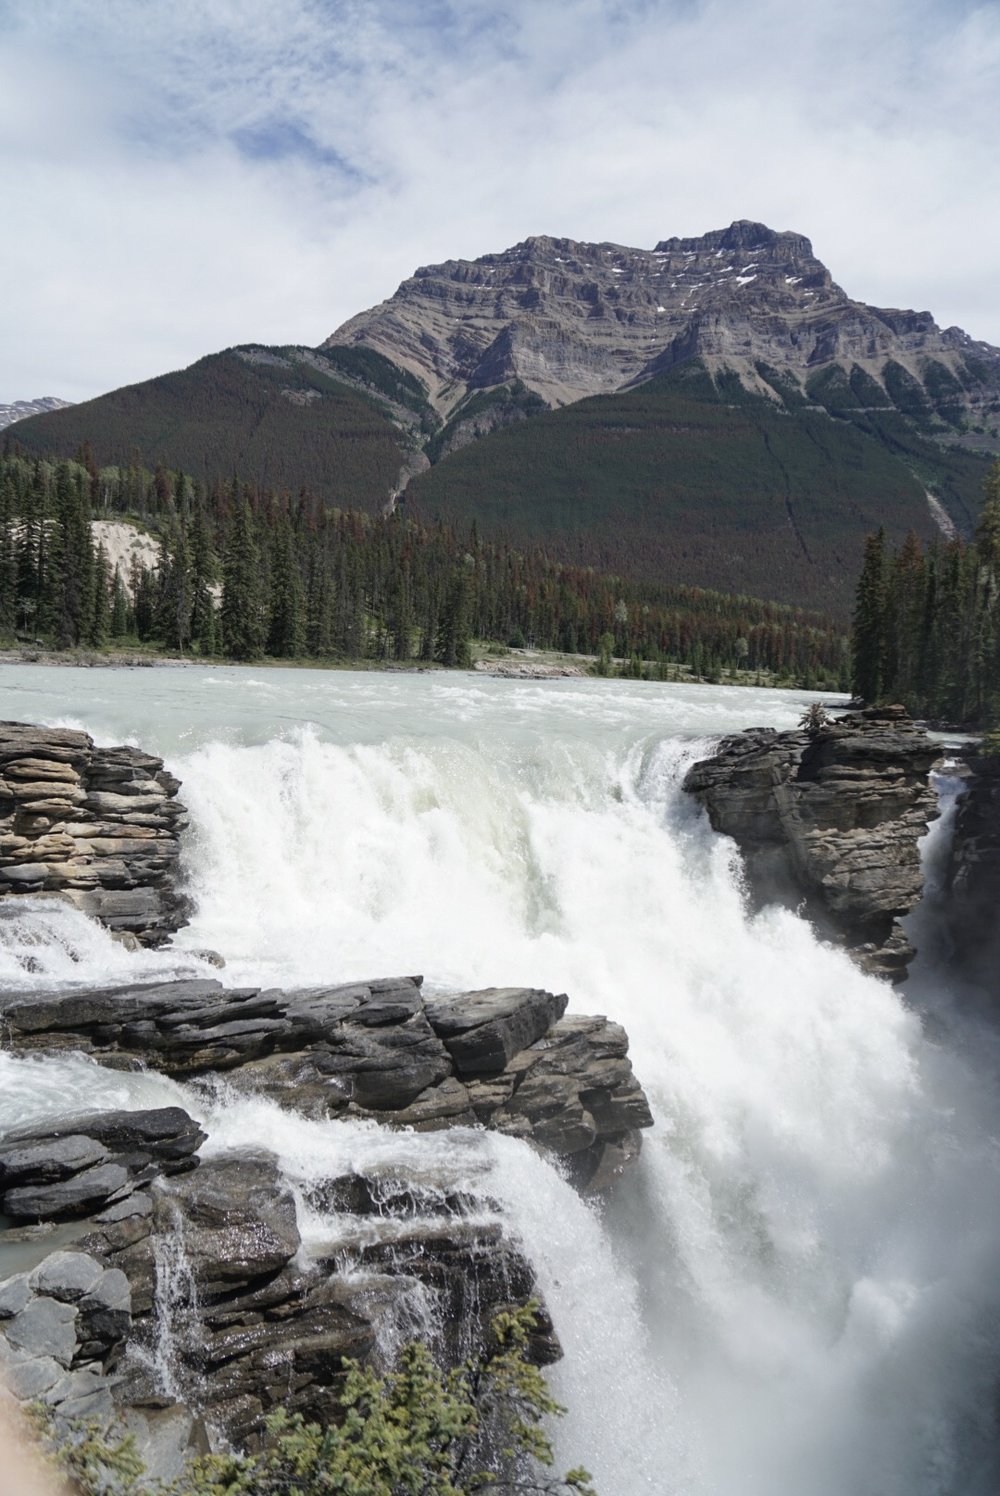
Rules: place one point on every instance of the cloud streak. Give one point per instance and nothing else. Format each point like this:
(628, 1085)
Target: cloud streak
(184, 177)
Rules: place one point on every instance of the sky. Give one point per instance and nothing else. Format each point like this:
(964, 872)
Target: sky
(183, 175)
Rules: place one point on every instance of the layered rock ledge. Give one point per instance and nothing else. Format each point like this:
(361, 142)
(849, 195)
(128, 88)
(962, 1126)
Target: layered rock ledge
(184, 1301)
(830, 820)
(97, 826)
(504, 1058)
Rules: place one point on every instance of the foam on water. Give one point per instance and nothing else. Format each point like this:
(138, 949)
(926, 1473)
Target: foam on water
(797, 1291)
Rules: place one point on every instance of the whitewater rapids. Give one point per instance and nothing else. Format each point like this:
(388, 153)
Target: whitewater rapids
(796, 1292)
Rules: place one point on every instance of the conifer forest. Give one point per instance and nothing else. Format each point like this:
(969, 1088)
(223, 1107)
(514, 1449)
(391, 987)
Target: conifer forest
(927, 622)
(246, 574)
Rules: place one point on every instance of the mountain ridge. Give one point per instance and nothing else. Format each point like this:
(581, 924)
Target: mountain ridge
(568, 319)
(716, 411)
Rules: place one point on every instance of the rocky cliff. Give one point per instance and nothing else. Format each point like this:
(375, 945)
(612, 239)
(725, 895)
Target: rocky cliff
(98, 827)
(182, 1299)
(505, 1058)
(145, 1280)
(971, 895)
(830, 819)
(565, 320)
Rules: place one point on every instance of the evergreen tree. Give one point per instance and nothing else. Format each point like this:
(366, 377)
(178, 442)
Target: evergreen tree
(204, 580)
(868, 636)
(287, 632)
(119, 620)
(452, 645)
(100, 620)
(243, 615)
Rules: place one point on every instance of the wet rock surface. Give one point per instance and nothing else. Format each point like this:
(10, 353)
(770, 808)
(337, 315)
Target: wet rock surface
(98, 827)
(503, 1058)
(192, 1296)
(830, 820)
(78, 1164)
(141, 1279)
(167, 1287)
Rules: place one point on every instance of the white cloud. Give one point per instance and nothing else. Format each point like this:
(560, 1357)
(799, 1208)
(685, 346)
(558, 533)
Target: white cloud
(184, 177)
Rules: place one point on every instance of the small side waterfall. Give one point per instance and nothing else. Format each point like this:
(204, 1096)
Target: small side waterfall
(176, 1321)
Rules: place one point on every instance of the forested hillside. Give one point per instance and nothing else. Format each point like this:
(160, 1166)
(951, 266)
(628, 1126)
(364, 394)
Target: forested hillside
(686, 479)
(245, 572)
(268, 415)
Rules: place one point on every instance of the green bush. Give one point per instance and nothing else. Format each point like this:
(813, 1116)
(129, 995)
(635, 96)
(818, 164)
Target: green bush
(415, 1431)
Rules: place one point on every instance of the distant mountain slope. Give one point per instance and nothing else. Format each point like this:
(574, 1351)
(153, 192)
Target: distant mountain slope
(281, 418)
(688, 479)
(20, 410)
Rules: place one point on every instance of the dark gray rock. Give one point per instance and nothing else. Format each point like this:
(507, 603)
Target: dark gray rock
(483, 1031)
(45, 1327)
(972, 879)
(46, 1173)
(833, 819)
(377, 1049)
(237, 1218)
(89, 1188)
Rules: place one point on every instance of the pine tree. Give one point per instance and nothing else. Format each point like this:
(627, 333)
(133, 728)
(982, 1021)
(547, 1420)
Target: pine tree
(287, 632)
(100, 620)
(452, 646)
(243, 616)
(119, 621)
(868, 634)
(204, 580)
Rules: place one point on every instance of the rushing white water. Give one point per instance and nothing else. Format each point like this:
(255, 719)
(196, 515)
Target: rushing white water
(796, 1292)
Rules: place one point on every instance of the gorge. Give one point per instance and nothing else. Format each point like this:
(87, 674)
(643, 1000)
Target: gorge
(793, 1288)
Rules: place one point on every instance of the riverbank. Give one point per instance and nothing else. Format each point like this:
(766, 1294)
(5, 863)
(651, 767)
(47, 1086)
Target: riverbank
(490, 659)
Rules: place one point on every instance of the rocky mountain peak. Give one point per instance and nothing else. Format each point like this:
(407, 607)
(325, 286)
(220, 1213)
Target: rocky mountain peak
(741, 235)
(20, 410)
(563, 319)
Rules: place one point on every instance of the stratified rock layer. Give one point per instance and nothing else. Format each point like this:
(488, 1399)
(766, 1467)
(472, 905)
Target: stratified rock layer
(97, 826)
(833, 819)
(504, 1058)
(566, 320)
(188, 1291)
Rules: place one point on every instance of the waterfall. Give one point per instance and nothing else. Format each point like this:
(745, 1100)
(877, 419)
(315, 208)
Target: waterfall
(796, 1291)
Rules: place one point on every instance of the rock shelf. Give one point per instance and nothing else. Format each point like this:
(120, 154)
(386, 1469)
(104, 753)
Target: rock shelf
(505, 1058)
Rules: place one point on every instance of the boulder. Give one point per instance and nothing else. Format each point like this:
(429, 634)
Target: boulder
(54, 1171)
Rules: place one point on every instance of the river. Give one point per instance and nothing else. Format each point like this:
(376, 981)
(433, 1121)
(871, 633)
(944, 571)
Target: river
(796, 1292)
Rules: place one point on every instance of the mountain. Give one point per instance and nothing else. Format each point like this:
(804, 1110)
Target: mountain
(280, 418)
(564, 321)
(715, 411)
(19, 410)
